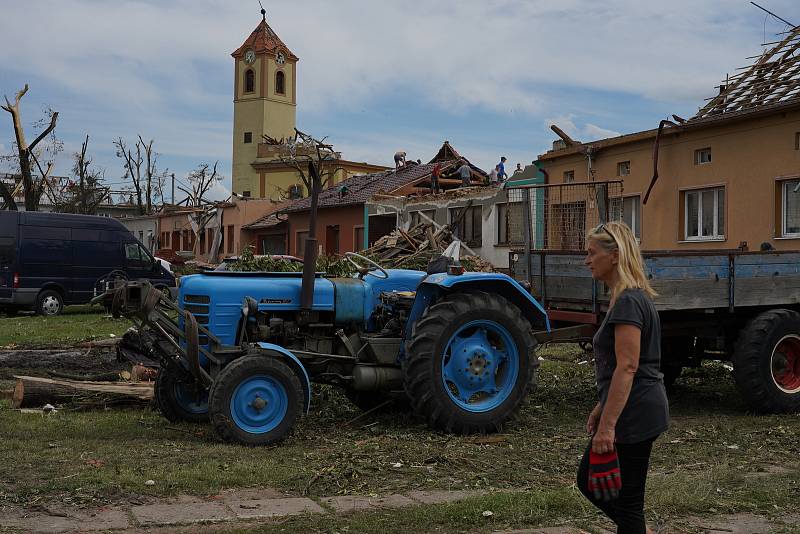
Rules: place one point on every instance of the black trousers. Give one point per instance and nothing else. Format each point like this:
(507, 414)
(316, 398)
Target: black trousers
(627, 512)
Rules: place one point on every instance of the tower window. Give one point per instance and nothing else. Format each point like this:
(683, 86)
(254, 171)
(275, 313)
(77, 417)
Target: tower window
(249, 81)
(280, 83)
(248, 137)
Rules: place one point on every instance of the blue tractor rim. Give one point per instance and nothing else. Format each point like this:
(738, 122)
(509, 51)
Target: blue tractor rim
(480, 366)
(259, 404)
(189, 400)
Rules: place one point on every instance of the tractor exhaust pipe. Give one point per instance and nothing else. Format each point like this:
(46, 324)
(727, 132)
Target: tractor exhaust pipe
(311, 251)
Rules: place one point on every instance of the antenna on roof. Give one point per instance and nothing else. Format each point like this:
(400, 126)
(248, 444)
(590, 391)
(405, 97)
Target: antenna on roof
(263, 11)
(774, 15)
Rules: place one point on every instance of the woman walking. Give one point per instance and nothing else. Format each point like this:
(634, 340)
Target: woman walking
(633, 410)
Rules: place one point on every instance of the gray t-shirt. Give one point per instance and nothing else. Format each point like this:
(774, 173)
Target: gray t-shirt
(646, 414)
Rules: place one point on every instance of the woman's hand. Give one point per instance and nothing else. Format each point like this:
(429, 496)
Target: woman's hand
(594, 419)
(603, 440)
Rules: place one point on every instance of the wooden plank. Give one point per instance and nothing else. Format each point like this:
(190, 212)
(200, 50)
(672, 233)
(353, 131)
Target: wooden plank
(767, 291)
(690, 294)
(686, 261)
(769, 258)
(768, 270)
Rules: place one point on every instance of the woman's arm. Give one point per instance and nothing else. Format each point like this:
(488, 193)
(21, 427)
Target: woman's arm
(627, 342)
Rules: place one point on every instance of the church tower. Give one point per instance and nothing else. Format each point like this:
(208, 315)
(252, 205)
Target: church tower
(264, 103)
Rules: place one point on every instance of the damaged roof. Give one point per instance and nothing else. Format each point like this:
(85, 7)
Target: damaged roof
(361, 188)
(772, 79)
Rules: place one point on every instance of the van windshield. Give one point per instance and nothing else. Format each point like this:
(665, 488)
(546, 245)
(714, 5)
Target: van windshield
(8, 250)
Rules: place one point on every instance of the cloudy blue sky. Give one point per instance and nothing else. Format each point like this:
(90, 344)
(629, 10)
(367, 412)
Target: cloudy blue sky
(375, 77)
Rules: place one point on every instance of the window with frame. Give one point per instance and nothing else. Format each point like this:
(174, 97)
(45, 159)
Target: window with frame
(248, 137)
(280, 83)
(569, 177)
(790, 208)
(627, 210)
(230, 238)
(509, 223)
(469, 228)
(702, 156)
(623, 168)
(704, 214)
(135, 256)
(417, 218)
(249, 81)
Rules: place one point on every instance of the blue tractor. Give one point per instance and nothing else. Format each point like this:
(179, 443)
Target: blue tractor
(241, 349)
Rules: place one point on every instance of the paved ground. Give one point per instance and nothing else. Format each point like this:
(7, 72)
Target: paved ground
(187, 513)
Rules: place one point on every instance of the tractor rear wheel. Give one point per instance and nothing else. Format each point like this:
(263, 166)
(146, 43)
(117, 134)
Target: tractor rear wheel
(256, 400)
(469, 363)
(766, 362)
(179, 397)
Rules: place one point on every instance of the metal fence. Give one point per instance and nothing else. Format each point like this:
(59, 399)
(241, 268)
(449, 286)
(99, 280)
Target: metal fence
(558, 216)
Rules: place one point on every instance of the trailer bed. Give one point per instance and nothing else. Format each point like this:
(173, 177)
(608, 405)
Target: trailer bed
(684, 280)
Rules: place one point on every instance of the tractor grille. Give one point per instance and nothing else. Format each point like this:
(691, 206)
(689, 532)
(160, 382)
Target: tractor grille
(199, 306)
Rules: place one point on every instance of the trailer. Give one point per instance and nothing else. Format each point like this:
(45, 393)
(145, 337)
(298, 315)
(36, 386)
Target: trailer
(732, 305)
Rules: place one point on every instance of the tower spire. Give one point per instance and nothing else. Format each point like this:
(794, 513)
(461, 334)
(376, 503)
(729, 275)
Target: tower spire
(263, 11)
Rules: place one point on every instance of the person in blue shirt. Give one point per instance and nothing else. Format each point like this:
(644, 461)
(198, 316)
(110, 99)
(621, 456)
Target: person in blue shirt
(501, 172)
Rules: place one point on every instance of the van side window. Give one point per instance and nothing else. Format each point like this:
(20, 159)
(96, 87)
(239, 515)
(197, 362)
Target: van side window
(135, 256)
(7, 250)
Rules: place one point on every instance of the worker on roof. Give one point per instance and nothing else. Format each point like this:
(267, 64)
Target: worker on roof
(399, 159)
(465, 171)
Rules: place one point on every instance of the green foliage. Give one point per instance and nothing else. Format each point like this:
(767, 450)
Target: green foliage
(249, 262)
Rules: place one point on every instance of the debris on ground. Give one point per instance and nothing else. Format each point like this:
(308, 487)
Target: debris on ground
(414, 248)
(33, 391)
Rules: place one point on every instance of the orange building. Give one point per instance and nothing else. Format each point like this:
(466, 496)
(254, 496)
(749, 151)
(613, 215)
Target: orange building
(729, 177)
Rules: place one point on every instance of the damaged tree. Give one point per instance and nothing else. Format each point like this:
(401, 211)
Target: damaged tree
(85, 194)
(201, 181)
(27, 156)
(315, 162)
(140, 167)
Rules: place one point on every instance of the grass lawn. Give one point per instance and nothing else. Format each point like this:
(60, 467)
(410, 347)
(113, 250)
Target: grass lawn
(75, 325)
(715, 459)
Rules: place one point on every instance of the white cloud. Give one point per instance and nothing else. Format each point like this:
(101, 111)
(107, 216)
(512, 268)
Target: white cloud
(596, 132)
(585, 132)
(164, 69)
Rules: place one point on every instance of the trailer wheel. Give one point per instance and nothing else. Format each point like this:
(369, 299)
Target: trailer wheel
(179, 397)
(256, 400)
(766, 363)
(469, 363)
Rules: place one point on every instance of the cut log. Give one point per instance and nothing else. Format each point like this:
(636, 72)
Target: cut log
(35, 392)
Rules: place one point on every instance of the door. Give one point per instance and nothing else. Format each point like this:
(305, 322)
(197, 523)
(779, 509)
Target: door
(332, 240)
(8, 253)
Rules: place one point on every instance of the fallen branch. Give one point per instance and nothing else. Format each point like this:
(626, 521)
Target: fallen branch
(31, 391)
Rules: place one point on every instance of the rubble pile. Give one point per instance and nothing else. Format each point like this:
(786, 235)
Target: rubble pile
(414, 248)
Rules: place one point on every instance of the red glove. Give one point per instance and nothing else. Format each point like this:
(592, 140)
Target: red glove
(605, 479)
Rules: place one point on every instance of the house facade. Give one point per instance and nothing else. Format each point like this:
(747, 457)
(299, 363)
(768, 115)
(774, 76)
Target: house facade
(346, 222)
(727, 178)
(721, 182)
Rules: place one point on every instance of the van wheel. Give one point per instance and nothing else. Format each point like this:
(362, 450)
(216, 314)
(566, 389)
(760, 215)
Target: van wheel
(49, 303)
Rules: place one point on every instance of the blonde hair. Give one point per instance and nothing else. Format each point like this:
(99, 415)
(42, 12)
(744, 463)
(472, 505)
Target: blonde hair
(630, 267)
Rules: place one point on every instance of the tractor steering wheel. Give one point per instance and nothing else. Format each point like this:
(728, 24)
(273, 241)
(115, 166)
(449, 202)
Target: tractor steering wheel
(351, 255)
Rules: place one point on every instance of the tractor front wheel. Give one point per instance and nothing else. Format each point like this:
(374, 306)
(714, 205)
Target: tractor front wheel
(256, 400)
(469, 363)
(179, 397)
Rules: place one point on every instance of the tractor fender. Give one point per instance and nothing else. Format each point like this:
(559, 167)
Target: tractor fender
(280, 352)
(501, 284)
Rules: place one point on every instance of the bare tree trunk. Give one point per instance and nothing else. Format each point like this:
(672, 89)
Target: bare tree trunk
(25, 152)
(8, 198)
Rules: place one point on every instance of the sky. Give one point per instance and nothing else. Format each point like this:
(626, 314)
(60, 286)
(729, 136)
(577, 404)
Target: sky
(490, 76)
